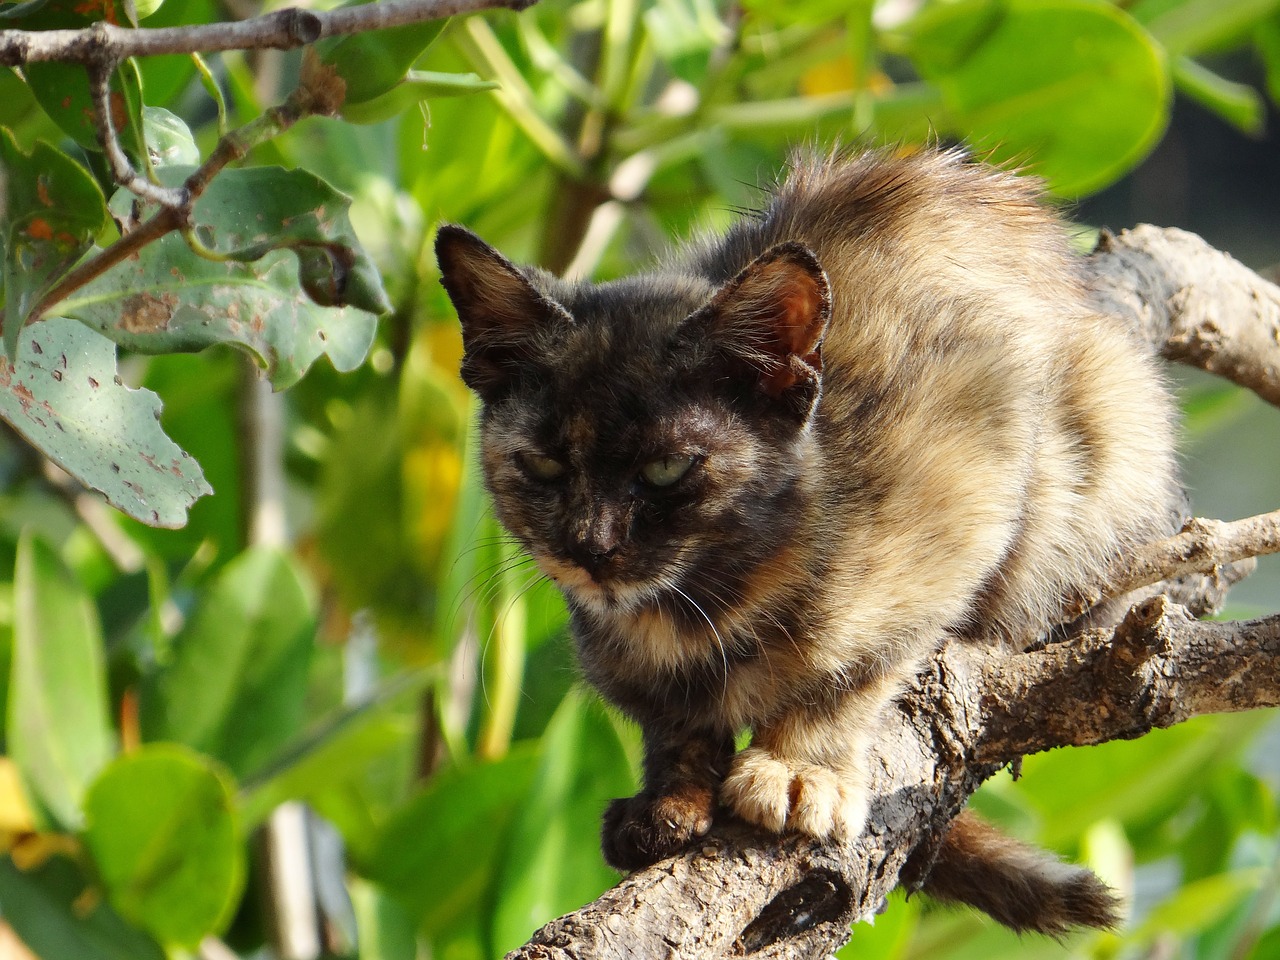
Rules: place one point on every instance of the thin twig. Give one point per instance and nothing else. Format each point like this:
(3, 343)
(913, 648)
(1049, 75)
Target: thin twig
(121, 168)
(1203, 546)
(281, 30)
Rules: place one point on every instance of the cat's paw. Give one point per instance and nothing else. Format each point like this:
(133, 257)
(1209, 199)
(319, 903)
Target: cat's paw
(646, 828)
(805, 797)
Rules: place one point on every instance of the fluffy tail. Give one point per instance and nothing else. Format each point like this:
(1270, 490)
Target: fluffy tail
(1021, 886)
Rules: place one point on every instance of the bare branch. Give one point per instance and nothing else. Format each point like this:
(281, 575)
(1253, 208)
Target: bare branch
(1197, 305)
(121, 168)
(281, 30)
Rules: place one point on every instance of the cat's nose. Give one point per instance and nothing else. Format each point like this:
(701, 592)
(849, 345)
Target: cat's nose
(592, 555)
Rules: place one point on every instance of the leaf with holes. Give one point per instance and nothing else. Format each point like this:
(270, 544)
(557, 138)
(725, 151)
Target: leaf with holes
(287, 279)
(62, 394)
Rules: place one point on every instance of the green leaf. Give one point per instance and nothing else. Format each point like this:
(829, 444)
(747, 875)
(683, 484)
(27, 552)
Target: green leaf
(461, 820)
(1237, 103)
(337, 750)
(1075, 85)
(553, 862)
(234, 688)
(1267, 40)
(46, 908)
(375, 61)
(163, 834)
(53, 209)
(63, 395)
(59, 735)
(1191, 26)
(1198, 905)
(286, 253)
(169, 139)
(418, 85)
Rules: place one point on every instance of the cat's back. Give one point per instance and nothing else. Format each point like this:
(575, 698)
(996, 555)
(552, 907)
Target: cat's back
(986, 437)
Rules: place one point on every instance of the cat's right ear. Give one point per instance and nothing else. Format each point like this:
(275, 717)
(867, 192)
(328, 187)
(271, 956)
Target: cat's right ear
(500, 309)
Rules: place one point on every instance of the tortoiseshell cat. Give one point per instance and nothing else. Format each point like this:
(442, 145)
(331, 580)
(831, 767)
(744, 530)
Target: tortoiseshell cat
(780, 469)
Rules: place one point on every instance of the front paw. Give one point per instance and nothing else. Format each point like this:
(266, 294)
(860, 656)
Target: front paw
(646, 828)
(805, 797)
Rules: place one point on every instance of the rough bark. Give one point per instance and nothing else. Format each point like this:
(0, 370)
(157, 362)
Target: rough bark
(976, 708)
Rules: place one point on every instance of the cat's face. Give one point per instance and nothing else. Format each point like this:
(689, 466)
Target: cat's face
(637, 436)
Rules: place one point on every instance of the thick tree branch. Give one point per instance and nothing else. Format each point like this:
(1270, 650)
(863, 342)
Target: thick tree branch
(978, 708)
(1197, 305)
(281, 30)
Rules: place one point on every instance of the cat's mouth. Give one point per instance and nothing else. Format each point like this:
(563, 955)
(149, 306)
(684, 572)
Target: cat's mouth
(600, 591)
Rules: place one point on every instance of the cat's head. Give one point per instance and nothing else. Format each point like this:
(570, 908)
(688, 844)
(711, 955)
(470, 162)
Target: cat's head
(642, 435)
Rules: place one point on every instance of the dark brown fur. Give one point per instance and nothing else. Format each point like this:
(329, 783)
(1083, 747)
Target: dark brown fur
(898, 422)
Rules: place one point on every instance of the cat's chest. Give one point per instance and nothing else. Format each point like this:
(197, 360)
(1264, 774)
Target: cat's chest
(728, 673)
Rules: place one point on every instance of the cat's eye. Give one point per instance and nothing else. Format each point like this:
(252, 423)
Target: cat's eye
(666, 471)
(541, 467)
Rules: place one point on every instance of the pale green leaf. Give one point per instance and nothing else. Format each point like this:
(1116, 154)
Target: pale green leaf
(63, 395)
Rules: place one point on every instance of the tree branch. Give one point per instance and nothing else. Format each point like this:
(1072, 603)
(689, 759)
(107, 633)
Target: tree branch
(281, 30)
(1195, 304)
(978, 708)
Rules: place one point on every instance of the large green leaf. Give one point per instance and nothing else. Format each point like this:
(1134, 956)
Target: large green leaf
(58, 730)
(53, 209)
(553, 862)
(289, 280)
(62, 393)
(46, 907)
(1076, 87)
(437, 855)
(164, 837)
(234, 688)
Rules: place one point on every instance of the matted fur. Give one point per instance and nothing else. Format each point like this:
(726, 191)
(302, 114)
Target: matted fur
(901, 422)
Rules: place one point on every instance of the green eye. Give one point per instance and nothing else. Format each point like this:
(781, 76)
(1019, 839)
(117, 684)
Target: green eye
(665, 471)
(540, 467)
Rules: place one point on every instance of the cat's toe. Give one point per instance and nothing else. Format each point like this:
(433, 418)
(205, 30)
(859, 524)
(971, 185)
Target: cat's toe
(807, 798)
(641, 830)
(758, 789)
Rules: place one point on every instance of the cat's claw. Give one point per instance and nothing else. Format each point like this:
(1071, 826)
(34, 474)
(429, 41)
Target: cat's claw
(646, 828)
(808, 798)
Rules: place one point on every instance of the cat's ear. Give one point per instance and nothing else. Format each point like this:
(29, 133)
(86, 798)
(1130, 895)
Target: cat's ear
(771, 319)
(500, 309)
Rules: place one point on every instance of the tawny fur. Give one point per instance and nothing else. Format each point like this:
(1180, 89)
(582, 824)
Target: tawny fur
(902, 422)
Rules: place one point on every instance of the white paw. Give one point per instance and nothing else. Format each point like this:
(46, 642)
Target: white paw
(807, 798)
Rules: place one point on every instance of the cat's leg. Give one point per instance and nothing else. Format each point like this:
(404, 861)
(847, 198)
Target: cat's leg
(806, 768)
(682, 775)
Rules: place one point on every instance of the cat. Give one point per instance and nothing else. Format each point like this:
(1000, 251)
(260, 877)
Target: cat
(777, 471)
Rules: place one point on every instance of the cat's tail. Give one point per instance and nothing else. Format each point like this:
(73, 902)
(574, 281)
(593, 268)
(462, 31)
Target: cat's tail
(1023, 887)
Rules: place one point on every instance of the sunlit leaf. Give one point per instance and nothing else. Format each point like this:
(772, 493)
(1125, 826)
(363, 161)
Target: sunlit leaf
(162, 829)
(1190, 26)
(63, 395)
(58, 731)
(169, 139)
(1074, 89)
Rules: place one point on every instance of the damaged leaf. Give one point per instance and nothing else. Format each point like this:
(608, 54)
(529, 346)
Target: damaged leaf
(62, 394)
(288, 279)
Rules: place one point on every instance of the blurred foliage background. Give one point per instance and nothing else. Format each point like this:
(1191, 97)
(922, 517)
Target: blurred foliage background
(342, 623)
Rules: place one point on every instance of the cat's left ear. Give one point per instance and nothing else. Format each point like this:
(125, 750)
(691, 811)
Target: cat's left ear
(771, 318)
(500, 309)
